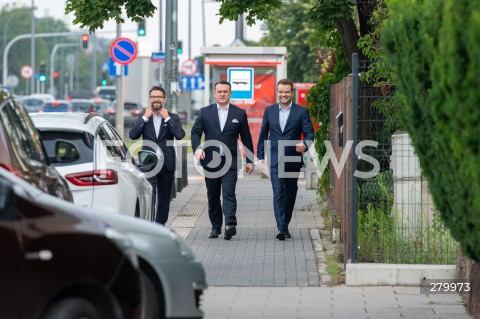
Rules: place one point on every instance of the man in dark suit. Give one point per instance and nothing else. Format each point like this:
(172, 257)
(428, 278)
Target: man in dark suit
(282, 127)
(222, 123)
(158, 128)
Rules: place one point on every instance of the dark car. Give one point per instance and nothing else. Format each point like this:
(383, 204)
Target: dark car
(131, 112)
(83, 105)
(57, 106)
(33, 104)
(56, 262)
(22, 152)
(80, 94)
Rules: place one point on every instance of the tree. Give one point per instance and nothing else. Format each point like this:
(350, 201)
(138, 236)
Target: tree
(289, 28)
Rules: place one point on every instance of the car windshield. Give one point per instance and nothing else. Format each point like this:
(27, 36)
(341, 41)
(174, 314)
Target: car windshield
(130, 106)
(33, 102)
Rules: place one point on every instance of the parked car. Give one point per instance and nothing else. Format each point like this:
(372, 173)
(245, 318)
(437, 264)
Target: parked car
(47, 97)
(83, 105)
(57, 262)
(92, 157)
(107, 92)
(22, 152)
(131, 112)
(62, 106)
(33, 104)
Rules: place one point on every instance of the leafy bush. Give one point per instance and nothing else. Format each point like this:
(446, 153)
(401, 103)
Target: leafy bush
(434, 47)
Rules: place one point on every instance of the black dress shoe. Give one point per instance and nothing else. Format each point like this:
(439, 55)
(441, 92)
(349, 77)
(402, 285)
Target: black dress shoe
(287, 235)
(215, 232)
(230, 231)
(281, 235)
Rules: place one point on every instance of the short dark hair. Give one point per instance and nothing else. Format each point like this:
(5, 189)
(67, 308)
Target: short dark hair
(285, 82)
(156, 88)
(222, 82)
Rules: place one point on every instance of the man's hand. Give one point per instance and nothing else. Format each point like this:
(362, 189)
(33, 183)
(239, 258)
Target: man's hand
(164, 113)
(300, 148)
(148, 112)
(249, 168)
(200, 154)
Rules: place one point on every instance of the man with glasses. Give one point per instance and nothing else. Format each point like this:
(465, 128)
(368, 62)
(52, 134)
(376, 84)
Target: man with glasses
(158, 128)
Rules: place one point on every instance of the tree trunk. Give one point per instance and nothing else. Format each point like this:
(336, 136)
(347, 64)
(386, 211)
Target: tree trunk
(347, 31)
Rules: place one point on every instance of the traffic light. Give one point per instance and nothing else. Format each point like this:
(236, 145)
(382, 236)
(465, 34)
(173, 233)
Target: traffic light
(104, 78)
(141, 29)
(85, 41)
(179, 47)
(42, 77)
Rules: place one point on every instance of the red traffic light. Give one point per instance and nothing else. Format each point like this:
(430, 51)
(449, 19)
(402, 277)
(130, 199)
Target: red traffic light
(55, 74)
(84, 37)
(85, 41)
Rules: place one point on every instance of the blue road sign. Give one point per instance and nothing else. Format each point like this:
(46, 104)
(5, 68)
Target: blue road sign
(157, 57)
(192, 82)
(123, 50)
(115, 69)
(241, 80)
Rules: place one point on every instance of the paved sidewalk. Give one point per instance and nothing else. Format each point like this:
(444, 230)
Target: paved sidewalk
(256, 276)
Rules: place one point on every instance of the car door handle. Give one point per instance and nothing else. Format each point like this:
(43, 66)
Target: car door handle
(43, 255)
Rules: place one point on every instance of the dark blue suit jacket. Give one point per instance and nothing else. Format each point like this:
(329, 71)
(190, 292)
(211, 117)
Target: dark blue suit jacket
(298, 122)
(236, 125)
(169, 130)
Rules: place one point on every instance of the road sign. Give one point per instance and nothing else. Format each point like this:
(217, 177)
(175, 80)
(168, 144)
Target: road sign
(158, 57)
(123, 51)
(189, 67)
(115, 69)
(12, 80)
(241, 80)
(26, 71)
(192, 82)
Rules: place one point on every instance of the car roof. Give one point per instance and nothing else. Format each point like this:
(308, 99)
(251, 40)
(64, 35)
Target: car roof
(68, 122)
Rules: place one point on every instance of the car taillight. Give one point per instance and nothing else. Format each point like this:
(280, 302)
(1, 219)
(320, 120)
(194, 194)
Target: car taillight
(40, 111)
(91, 178)
(110, 111)
(136, 112)
(12, 169)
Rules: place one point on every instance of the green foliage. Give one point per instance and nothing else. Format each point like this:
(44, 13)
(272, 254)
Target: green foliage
(93, 14)
(434, 47)
(255, 10)
(326, 12)
(384, 235)
(289, 28)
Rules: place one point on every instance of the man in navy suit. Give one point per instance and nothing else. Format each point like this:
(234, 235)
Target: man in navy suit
(158, 128)
(222, 123)
(282, 127)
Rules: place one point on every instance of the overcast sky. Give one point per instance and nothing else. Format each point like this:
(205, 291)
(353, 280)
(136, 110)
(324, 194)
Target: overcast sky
(216, 34)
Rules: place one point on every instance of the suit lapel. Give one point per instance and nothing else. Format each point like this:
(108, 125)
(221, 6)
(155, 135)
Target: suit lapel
(290, 116)
(276, 117)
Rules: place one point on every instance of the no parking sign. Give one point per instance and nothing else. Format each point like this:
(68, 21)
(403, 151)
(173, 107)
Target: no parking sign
(123, 51)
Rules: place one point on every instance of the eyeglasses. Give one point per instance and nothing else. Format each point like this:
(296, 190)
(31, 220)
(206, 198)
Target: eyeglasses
(156, 97)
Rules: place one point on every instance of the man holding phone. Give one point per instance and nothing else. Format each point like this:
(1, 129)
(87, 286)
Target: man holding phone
(158, 129)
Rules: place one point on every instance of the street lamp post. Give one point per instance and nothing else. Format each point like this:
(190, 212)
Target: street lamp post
(52, 60)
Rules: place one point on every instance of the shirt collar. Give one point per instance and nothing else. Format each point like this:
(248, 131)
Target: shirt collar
(221, 108)
(287, 109)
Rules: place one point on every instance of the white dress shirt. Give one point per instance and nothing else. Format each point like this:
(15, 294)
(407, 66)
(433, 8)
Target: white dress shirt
(283, 115)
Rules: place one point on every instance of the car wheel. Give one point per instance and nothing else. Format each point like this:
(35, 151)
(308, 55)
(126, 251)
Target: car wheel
(72, 308)
(152, 304)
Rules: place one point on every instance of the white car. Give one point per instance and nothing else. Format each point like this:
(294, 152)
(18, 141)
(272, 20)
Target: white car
(92, 157)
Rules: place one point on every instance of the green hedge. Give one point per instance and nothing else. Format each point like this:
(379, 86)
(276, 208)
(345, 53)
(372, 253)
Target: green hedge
(434, 47)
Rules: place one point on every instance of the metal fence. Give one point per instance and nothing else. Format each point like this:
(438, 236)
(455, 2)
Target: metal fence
(392, 216)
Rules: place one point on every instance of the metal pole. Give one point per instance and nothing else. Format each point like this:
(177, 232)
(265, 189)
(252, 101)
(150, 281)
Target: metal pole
(32, 48)
(170, 49)
(120, 94)
(52, 61)
(239, 28)
(203, 22)
(189, 29)
(160, 65)
(355, 81)
(94, 61)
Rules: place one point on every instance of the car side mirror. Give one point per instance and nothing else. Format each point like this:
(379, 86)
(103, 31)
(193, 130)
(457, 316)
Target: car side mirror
(65, 152)
(147, 160)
